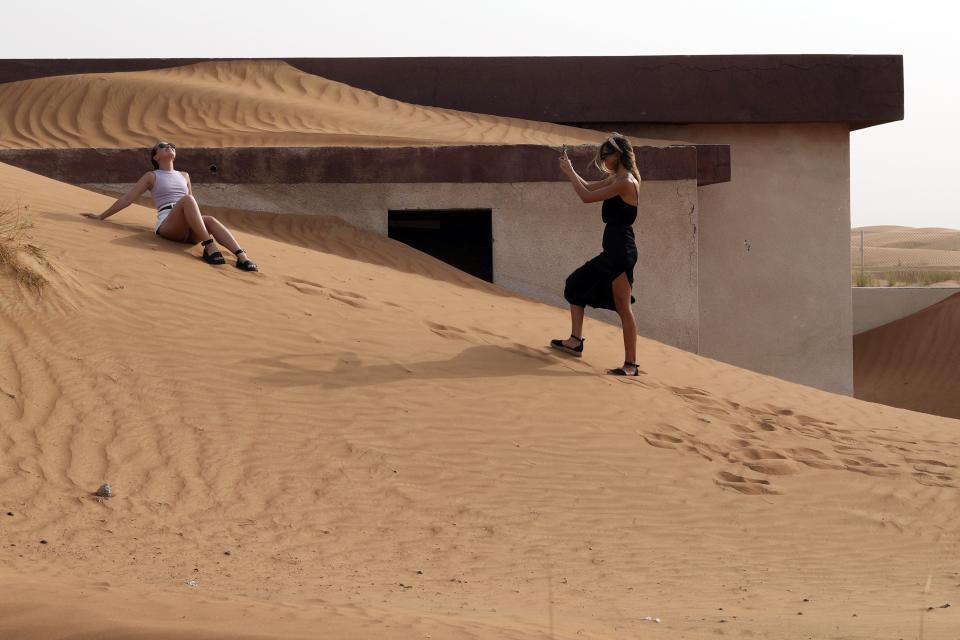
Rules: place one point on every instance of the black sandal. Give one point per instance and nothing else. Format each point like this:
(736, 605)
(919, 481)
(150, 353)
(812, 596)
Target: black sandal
(215, 258)
(246, 265)
(575, 351)
(622, 371)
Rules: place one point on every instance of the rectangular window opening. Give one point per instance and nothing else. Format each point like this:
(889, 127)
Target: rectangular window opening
(463, 238)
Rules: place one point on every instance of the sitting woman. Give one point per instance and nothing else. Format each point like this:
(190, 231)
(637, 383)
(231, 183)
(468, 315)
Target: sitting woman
(178, 215)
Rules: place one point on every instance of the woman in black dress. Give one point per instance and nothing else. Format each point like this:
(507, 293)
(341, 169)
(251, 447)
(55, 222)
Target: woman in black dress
(606, 281)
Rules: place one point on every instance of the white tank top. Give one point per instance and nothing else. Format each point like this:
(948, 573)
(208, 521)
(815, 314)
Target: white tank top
(168, 187)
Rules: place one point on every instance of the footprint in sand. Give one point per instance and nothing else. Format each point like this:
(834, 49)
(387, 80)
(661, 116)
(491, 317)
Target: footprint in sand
(449, 332)
(307, 287)
(745, 431)
(351, 299)
(766, 425)
(807, 421)
(765, 461)
(750, 486)
(757, 453)
(864, 465)
(934, 479)
(702, 401)
(932, 463)
(661, 440)
(681, 441)
(488, 333)
(316, 289)
(753, 427)
(774, 467)
(688, 392)
(444, 328)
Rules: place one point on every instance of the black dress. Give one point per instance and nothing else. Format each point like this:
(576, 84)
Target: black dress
(592, 284)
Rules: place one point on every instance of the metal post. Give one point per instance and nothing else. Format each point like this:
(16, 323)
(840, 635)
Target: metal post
(861, 257)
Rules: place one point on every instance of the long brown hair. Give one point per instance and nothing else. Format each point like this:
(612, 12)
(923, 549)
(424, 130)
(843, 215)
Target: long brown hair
(619, 144)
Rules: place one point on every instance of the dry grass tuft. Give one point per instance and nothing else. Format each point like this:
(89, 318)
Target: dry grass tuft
(861, 279)
(915, 277)
(13, 224)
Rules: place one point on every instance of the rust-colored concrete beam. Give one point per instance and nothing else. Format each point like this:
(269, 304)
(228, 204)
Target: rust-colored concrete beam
(708, 164)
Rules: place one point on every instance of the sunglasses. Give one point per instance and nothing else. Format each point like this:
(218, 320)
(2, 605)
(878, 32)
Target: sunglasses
(166, 145)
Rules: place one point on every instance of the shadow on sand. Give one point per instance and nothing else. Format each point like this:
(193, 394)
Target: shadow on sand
(135, 235)
(344, 369)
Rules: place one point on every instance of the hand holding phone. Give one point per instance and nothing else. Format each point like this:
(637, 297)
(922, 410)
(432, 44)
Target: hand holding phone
(565, 165)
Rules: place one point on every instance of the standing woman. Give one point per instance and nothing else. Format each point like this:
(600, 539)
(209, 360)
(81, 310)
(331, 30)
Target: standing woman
(178, 214)
(606, 281)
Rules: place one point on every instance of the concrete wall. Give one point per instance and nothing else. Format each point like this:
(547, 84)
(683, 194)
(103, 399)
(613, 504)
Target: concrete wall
(876, 306)
(775, 253)
(541, 233)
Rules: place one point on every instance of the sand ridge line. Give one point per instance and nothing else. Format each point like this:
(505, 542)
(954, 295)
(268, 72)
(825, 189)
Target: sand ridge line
(261, 103)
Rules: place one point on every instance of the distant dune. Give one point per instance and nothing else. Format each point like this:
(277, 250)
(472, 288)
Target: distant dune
(241, 103)
(893, 247)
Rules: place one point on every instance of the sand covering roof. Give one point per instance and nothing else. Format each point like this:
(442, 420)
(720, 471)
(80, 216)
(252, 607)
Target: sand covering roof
(243, 103)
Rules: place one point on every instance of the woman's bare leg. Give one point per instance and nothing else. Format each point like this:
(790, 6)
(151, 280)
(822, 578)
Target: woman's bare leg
(576, 326)
(223, 236)
(621, 298)
(185, 216)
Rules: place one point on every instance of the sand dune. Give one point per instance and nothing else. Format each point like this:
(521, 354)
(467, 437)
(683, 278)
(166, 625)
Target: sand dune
(361, 442)
(878, 230)
(906, 247)
(913, 362)
(241, 103)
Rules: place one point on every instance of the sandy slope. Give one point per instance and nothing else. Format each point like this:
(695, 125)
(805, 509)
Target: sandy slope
(386, 449)
(241, 103)
(913, 362)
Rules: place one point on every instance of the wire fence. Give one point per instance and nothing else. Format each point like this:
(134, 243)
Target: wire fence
(897, 256)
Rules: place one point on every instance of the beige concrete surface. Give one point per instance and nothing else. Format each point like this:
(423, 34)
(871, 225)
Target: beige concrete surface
(775, 253)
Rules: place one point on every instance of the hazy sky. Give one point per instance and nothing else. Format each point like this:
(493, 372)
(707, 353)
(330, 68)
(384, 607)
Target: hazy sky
(901, 173)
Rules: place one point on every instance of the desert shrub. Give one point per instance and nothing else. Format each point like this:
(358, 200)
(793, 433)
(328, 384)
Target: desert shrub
(14, 222)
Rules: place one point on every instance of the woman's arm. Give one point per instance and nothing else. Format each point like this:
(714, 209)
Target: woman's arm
(124, 201)
(599, 184)
(593, 186)
(616, 187)
(590, 186)
(597, 191)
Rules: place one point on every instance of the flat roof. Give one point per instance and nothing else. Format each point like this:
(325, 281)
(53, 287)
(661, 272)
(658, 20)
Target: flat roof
(707, 164)
(860, 90)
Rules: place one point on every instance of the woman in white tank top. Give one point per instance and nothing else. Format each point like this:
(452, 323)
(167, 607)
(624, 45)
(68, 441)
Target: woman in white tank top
(178, 215)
